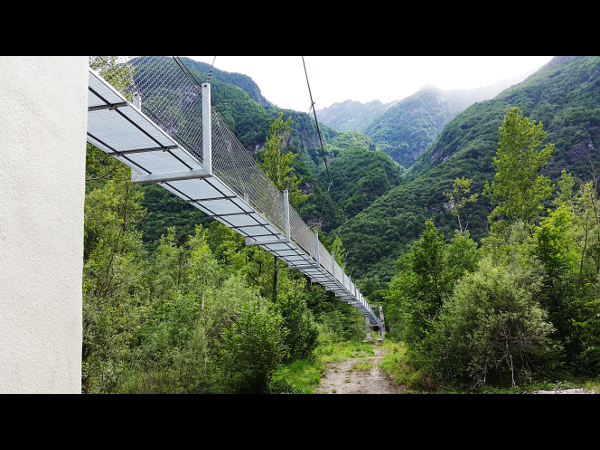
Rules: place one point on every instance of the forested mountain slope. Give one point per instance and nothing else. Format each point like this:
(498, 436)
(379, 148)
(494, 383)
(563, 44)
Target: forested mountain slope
(405, 130)
(237, 79)
(359, 177)
(564, 95)
(352, 115)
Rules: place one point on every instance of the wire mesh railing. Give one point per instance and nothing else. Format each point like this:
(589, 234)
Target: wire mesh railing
(173, 100)
(232, 163)
(167, 95)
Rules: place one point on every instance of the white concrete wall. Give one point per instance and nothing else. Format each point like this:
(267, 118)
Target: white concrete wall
(43, 121)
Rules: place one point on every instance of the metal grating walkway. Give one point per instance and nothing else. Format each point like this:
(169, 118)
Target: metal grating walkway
(264, 218)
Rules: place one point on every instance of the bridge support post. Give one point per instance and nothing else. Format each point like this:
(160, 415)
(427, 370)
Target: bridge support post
(368, 323)
(381, 328)
(206, 129)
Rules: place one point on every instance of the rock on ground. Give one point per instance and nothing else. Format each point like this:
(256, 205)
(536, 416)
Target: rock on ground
(561, 391)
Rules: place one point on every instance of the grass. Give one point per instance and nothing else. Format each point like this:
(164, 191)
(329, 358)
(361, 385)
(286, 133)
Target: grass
(299, 377)
(401, 371)
(361, 366)
(303, 376)
(343, 351)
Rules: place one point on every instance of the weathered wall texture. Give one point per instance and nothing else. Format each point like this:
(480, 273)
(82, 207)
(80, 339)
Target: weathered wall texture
(43, 121)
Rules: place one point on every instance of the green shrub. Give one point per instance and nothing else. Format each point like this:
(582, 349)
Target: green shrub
(251, 349)
(301, 338)
(492, 329)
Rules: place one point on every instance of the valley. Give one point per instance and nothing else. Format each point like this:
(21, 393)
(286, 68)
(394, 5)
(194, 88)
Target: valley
(187, 294)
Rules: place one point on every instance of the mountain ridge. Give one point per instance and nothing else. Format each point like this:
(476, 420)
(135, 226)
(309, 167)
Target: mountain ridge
(564, 96)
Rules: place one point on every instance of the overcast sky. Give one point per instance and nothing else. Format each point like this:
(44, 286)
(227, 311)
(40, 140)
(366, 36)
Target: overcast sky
(365, 78)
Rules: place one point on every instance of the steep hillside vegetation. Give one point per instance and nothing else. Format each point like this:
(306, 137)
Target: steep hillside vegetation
(405, 130)
(360, 176)
(351, 115)
(564, 95)
(240, 80)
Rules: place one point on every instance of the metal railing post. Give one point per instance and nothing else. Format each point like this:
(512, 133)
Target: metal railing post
(333, 265)
(206, 129)
(286, 210)
(317, 247)
(137, 100)
(382, 327)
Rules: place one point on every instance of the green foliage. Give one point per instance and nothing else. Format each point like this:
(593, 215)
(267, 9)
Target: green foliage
(301, 376)
(240, 80)
(587, 330)
(113, 293)
(120, 75)
(492, 329)
(519, 189)
(458, 198)
(166, 210)
(302, 334)
(567, 105)
(343, 324)
(252, 349)
(401, 370)
(277, 165)
(360, 176)
(411, 125)
(426, 276)
(405, 130)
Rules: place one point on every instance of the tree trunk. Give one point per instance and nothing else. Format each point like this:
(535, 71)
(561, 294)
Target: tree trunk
(583, 253)
(274, 279)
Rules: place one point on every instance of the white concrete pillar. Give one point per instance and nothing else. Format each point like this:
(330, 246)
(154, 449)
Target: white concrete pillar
(43, 117)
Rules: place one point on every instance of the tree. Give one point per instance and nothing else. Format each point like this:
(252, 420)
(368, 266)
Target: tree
(116, 70)
(113, 302)
(518, 189)
(418, 289)
(458, 198)
(252, 348)
(491, 329)
(277, 165)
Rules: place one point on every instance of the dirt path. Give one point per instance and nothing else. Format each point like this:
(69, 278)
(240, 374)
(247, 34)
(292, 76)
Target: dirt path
(348, 377)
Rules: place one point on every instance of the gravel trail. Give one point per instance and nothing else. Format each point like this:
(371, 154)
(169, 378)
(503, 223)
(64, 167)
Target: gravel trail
(346, 378)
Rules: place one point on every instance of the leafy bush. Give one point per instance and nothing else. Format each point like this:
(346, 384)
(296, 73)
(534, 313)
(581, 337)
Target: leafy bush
(343, 325)
(492, 329)
(251, 349)
(301, 338)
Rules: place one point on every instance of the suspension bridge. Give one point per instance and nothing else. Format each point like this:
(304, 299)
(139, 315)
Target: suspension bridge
(156, 119)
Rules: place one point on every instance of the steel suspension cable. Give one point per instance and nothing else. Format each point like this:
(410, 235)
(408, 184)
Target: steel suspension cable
(182, 65)
(312, 105)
